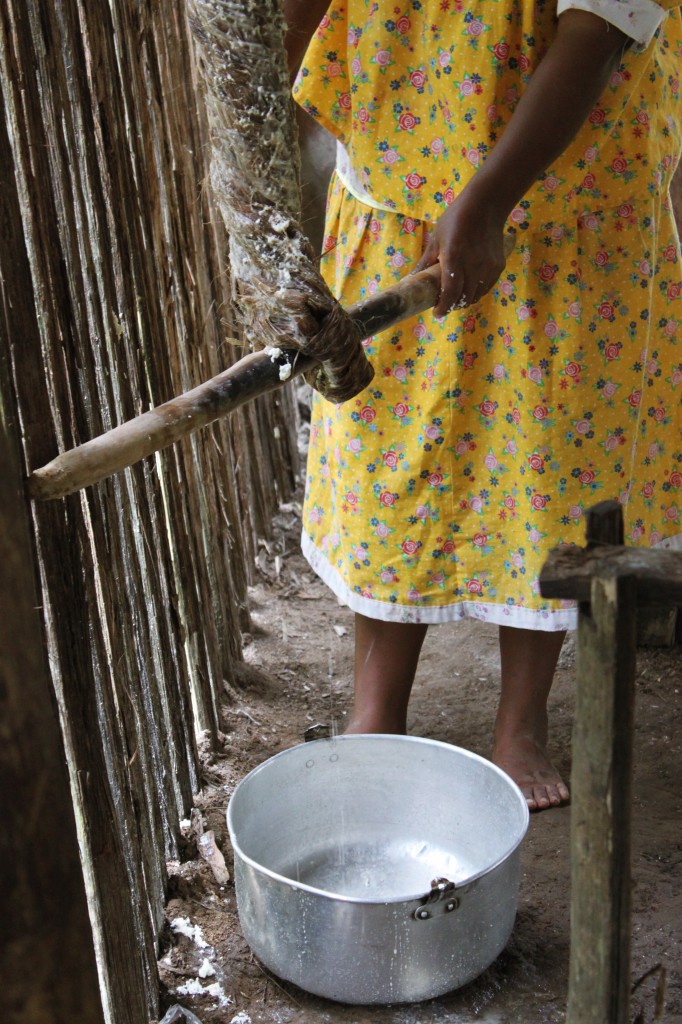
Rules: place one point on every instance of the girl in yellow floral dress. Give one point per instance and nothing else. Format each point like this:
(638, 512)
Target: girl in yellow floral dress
(538, 386)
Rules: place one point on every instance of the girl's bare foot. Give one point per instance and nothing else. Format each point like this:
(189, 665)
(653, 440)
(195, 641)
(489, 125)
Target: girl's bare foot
(528, 661)
(526, 762)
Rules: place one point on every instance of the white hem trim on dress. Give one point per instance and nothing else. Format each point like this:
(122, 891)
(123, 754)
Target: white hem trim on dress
(670, 543)
(549, 620)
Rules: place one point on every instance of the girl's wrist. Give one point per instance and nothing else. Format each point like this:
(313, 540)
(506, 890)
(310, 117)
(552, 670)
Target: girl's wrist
(492, 199)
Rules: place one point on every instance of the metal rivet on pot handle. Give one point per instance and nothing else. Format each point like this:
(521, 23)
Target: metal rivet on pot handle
(422, 914)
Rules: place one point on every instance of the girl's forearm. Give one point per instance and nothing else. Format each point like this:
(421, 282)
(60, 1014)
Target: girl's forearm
(558, 99)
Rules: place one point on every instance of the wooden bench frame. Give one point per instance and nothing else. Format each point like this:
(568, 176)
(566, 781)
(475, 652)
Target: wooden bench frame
(610, 582)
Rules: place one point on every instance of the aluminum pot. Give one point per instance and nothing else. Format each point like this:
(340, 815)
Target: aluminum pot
(377, 869)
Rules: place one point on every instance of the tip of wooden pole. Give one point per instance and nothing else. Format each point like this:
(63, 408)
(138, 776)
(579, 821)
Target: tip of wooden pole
(41, 485)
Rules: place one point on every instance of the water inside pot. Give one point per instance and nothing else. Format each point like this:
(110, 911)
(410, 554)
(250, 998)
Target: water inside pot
(376, 869)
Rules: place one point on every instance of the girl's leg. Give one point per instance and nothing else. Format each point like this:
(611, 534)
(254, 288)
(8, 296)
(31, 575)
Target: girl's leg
(386, 656)
(529, 659)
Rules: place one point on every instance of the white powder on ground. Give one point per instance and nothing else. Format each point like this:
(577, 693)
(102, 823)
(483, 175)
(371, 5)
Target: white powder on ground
(206, 969)
(194, 988)
(183, 926)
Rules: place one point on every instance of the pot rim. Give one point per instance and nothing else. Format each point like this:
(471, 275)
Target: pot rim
(378, 737)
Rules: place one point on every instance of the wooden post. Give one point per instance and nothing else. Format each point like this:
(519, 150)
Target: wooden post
(601, 788)
(609, 581)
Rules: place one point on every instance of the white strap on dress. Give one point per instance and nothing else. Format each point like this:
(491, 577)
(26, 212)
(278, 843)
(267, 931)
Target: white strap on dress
(638, 19)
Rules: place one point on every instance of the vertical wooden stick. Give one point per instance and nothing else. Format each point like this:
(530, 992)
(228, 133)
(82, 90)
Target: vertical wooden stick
(604, 523)
(47, 954)
(601, 784)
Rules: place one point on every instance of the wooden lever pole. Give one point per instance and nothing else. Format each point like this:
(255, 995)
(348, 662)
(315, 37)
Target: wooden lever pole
(256, 374)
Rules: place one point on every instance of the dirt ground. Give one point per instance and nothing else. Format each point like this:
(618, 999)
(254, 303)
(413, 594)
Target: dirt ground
(298, 672)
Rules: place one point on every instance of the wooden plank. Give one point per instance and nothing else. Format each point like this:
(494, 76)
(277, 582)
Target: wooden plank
(568, 572)
(601, 795)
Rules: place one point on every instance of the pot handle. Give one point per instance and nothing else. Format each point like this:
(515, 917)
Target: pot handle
(319, 731)
(442, 891)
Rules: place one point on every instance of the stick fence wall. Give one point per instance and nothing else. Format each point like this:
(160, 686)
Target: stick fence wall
(114, 296)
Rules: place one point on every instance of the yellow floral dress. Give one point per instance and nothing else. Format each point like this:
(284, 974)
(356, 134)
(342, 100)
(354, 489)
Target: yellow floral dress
(484, 437)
